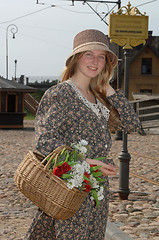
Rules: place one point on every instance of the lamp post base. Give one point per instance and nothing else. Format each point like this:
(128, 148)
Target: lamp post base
(123, 195)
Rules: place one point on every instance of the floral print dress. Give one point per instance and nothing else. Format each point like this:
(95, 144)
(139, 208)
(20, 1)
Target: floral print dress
(65, 116)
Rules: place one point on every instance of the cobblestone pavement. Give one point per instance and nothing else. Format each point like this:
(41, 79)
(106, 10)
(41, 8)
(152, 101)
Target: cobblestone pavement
(138, 216)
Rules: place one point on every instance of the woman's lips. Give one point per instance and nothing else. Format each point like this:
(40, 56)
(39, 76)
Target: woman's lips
(93, 68)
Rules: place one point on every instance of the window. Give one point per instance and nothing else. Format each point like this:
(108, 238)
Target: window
(146, 67)
(146, 90)
(11, 103)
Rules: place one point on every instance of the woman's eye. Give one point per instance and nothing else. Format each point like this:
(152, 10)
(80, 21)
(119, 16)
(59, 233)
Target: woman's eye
(88, 54)
(102, 57)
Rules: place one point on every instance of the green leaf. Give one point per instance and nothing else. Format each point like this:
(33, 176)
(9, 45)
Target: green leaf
(95, 168)
(67, 175)
(62, 151)
(72, 163)
(97, 203)
(67, 156)
(101, 179)
(95, 196)
(59, 164)
(80, 157)
(85, 178)
(52, 164)
(97, 174)
(100, 158)
(70, 157)
(75, 155)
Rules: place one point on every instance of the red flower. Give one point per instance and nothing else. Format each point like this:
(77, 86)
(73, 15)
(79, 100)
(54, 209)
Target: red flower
(66, 167)
(87, 175)
(94, 166)
(87, 188)
(58, 171)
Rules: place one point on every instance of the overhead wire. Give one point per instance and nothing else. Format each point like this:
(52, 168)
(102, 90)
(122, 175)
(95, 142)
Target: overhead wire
(26, 15)
(45, 41)
(146, 3)
(50, 6)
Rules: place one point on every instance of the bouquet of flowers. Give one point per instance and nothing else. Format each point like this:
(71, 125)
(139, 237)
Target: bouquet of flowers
(71, 166)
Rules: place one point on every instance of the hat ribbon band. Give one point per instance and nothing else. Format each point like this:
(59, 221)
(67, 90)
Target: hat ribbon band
(90, 43)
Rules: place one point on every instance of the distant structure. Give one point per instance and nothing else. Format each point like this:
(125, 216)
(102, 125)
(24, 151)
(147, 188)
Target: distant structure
(40, 79)
(12, 103)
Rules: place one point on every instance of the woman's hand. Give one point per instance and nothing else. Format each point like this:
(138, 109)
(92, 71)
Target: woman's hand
(109, 90)
(106, 169)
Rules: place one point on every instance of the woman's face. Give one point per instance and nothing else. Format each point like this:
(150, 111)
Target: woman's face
(91, 63)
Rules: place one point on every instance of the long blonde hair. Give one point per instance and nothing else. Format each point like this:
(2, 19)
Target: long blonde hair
(98, 85)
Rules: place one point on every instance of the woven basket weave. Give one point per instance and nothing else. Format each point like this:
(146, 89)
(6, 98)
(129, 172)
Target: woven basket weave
(44, 189)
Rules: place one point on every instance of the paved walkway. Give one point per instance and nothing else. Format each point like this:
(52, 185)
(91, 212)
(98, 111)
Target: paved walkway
(138, 216)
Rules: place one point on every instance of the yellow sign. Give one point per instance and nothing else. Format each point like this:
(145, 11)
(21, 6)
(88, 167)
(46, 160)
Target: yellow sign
(128, 29)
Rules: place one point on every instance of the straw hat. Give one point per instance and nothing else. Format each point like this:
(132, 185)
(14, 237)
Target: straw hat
(91, 39)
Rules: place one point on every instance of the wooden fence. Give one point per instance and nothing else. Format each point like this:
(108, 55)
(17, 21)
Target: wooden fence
(30, 104)
(148, 111)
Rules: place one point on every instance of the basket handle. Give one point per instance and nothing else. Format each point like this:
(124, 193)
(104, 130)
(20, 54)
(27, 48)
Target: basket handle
(55, 154)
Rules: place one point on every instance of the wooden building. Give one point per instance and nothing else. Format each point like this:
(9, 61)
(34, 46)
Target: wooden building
(143, 69)
(144, 72)
(12, 103)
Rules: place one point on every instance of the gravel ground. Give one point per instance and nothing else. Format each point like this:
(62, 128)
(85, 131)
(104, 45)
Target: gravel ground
(138, 216)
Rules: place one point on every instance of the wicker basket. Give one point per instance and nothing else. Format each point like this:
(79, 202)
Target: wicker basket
(45, 190)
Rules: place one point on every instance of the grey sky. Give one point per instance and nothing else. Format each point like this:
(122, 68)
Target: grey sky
(44, 38)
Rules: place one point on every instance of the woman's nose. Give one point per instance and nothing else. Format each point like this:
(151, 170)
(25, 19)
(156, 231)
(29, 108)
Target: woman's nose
(95, 60)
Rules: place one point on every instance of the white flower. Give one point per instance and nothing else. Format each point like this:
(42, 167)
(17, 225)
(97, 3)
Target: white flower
(83, 142)
(86, 166)
(94, 182)
(100, 197)
(82, 149)
(70, 184)
(78, 179)
(91, 198)
(100, 193)
(78, 168)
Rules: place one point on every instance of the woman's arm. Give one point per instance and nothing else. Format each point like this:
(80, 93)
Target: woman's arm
(129, 121)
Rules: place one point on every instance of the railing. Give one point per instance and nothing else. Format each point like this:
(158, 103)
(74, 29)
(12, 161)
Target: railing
(148, 111)
(30, 104)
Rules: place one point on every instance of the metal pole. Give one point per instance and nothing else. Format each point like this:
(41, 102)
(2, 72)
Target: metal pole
(124, 156)
(14, 30)
(15, 61)
(7, 53)
(119, 77)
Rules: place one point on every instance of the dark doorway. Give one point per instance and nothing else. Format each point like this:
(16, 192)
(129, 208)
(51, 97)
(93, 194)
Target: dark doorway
(11, 103)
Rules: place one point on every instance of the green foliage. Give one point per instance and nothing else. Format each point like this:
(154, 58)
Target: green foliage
(95, 196)
(37, 95)
(28, 116)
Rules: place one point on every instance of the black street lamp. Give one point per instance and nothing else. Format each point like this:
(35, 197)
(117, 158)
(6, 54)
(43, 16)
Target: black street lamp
(15, 77)
(14, 30)
(124, 156)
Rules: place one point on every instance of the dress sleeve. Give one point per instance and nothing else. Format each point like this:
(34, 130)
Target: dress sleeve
(49, 121)
(129, 120)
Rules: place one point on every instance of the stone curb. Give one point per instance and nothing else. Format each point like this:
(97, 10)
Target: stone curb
(114, 233)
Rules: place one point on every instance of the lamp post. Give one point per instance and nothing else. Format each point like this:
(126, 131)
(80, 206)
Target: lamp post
(124, 156)
(15, 61)
(14, 30)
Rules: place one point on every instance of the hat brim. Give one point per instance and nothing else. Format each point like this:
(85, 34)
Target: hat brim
(94, 46)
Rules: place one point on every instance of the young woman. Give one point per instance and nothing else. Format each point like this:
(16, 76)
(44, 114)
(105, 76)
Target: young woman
(77, 109)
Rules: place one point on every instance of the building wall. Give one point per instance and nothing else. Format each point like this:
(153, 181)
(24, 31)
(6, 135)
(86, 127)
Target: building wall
(137, 80)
